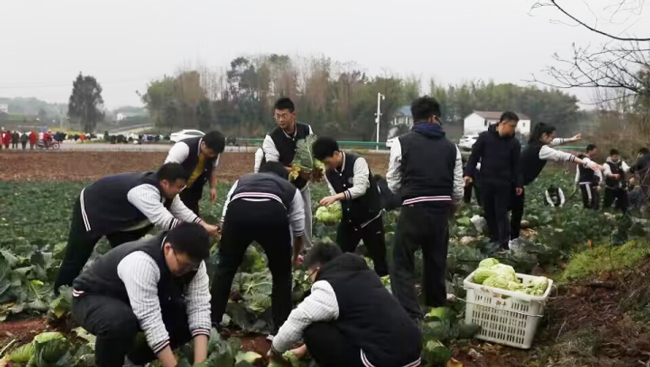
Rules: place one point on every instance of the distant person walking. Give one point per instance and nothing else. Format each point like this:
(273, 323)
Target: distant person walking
(33, 138)
(23, 140)
(15, 139)
(7, 139)
(589, 180)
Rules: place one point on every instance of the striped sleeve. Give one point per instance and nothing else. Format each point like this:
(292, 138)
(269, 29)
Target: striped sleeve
(178, 153)
(320, 305)
(180, 211)
(556, 142)
(549, 154)
(360, 180)
(297, 215)
(148, 200)
(140, 275)
(198, 303)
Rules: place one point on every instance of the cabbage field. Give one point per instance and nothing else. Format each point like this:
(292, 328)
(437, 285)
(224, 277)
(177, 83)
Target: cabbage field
(597, 315)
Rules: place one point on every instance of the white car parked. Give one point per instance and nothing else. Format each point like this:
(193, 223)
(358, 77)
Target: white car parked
(467, 141)
(185, 134)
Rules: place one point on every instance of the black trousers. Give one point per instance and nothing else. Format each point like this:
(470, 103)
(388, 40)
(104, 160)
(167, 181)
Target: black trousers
(426, 227)
(348, 237)
(267, 224)
(619, 195)
(113, 323)
(329, 347)
(496, 201)
(517, 208)
(191, 197)
(81, 245)
(24, 143)
(467, 194)
(590, 196)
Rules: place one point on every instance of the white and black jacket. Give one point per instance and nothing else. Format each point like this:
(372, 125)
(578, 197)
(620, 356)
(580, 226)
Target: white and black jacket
(130, 201)
(278, 146)
(350, 295)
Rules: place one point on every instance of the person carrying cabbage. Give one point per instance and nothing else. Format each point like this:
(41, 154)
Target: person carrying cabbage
(158, 286)
(352, 184)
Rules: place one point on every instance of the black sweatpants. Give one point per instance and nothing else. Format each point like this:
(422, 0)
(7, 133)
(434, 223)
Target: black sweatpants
(517, 208)
(496, 201)
(590, 196)
(267, 224)
(348, 237)
(421, 226)
(81, 245)
(113, 323)
(191, 197)
(619, 195)
(329, 347)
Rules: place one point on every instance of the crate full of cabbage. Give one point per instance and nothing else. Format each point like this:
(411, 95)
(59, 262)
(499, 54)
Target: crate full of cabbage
(507, 305)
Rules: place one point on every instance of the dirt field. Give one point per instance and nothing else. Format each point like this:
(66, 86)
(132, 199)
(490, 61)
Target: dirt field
(88, 166)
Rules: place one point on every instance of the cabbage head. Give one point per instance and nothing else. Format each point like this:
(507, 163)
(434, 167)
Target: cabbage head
(483, 273)
(537, 286)
(489, 262)
(514, 286)
(23, 354)
(497, 281)
(329, 214)
(50, 349)
(506, 272)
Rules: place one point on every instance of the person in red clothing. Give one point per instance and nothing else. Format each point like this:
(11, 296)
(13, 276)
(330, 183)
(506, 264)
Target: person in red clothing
(7, 139)
(33, 137)
(47, 138)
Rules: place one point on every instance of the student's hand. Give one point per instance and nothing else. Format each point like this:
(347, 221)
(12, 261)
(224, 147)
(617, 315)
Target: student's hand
(306, 175)
(616, 176)
(468, 180)
(631, 181)
(328, 200)
(212, 230)
(272, 355)
(519, 191)
(577, 137)
(300, 352)
(213, 194)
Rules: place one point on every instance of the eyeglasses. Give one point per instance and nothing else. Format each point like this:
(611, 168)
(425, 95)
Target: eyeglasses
(282, 116)
(186, 267)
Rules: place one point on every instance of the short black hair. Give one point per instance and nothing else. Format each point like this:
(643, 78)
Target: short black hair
(509, 116)
(325, 147)
(424, 108)
(581, 155)
(215, 140)
(274, 167)
(322, 253)
(644, 151)
(614, 152)
(284, 104)
(591, 147)
(172, 172)
(191, 239)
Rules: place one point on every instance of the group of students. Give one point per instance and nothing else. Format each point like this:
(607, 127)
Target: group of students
(348, 318)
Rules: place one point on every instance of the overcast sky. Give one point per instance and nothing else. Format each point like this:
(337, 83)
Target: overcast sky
(126, 43)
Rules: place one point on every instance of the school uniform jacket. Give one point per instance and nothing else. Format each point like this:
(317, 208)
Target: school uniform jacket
(278, 146)
(186, 153)
(350, 295)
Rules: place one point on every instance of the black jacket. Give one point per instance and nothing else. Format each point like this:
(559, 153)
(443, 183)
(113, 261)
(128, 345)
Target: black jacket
(500, 159)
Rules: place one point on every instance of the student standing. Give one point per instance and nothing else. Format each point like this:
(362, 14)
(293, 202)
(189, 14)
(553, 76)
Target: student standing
(533, 161)
(158, 286)
(615, 171)
(124, 208)
(23, 140)
(280, 146)
(349, 319)
(499, 152)
(264, 208)
(200, 157)
(352, 184)
(427, 171)
(33, 138)
(589, 180)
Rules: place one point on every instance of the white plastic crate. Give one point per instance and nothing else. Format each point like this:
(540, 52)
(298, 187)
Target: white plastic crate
(506, 317)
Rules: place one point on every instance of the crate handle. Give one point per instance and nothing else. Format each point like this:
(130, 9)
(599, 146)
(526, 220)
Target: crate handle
(513, 311)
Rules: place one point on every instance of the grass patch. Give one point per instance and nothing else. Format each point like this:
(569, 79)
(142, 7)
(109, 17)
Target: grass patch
(606, 258)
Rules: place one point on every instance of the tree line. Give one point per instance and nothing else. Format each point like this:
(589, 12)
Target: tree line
(340, 98)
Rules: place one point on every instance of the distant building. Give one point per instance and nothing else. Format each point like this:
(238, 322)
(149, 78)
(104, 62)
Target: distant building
(4, 108)
(479, 121)
(403, 116)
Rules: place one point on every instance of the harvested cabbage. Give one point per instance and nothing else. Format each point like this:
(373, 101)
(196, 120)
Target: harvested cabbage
(483, 273)
(537, 286)
(514, 286)
(289, 357)
(506, 272)
(22, 354)
(249, 357)
(51, 349)
(304, 158)
(489, 262)
(329, 214)
(497, 281)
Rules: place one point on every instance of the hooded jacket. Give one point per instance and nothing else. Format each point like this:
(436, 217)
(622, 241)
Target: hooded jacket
(499, 157)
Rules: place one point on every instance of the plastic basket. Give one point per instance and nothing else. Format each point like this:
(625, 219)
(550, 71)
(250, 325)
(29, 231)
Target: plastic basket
(506, 317)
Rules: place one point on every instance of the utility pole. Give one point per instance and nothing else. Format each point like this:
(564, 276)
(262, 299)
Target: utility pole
(380, 97)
